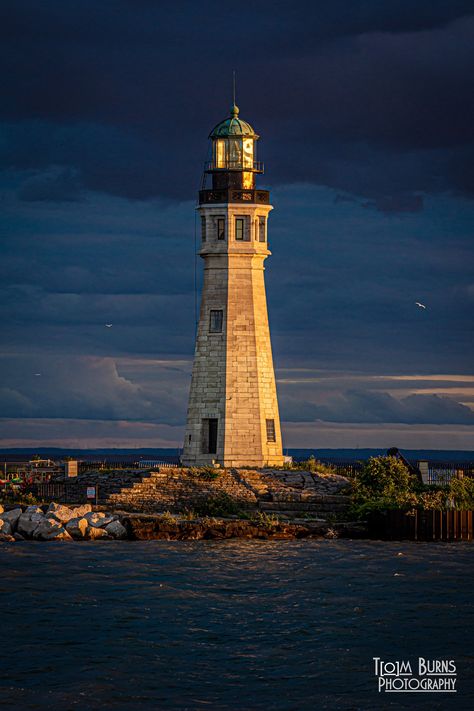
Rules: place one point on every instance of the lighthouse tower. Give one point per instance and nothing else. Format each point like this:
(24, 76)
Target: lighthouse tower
(233, 415)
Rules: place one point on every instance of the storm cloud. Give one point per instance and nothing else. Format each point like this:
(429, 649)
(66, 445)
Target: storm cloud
(366, 112)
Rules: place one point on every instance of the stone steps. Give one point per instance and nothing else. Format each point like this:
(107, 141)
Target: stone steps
(274, 491)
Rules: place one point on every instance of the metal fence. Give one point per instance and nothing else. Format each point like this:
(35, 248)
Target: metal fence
(439, 473)
(422, 525)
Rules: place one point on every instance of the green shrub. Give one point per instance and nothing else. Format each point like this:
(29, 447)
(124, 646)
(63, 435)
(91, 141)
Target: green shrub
(264, 520)
(386, 483)
(383, 483)
(461, 493)
(219, 505)
(312, 465)
(205, 473)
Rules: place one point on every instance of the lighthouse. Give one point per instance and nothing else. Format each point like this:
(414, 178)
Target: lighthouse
(233, 417)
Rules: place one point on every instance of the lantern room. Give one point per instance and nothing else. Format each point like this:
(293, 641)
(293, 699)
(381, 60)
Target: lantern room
(233, 163)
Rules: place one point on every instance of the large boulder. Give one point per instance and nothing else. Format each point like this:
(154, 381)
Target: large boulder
(51, 530)
(29, 522)
(60, 513)
(94, 532)
(77, 527)
(11, 516)
(33, 509)
(80, 511)
(116, 530)
(5, 528)
(99, 519)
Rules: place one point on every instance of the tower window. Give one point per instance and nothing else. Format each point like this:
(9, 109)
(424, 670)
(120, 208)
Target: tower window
(220, 228)
(242, 231)
(261, 229)
(203, 229)
(239, 228)
(215, 321)
(271, 437)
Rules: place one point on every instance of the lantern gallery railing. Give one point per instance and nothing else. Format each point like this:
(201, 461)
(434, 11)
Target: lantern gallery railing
(255, 166)
(221, 196)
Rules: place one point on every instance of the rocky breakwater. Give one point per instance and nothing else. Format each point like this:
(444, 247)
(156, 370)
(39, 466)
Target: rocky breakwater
(58, 523)
(180, 528)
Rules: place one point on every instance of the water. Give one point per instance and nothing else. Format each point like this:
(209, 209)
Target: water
(229, 625)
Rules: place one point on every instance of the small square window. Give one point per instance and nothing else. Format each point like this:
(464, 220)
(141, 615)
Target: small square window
(203, 229)
(271, 437)
(239, 228)
(215, 321)
(220, 228)
(261, 230)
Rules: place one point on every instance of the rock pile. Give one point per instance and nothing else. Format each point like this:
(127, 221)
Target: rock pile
(58, 523)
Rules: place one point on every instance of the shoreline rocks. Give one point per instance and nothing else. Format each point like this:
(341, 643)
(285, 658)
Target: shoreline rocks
(80, 523)
(58, 523)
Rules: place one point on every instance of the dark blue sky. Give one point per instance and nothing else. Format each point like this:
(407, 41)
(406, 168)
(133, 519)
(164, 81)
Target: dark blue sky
(366, 113)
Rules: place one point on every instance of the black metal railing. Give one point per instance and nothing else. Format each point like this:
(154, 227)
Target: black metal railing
(441, 473)
(256, 166)
(234, 195)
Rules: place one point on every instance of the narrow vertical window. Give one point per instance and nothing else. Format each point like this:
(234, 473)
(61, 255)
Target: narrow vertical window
(203, 229)
(220, 228)
(209, 435)
(261, 230)
(212, 435)
(215, 321)
(239, 228)
(271, 437)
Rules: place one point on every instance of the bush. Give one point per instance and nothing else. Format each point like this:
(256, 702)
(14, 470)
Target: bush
(264, 520)
(312, 465)
(386, 483)
(205, 473)
(461, 493)
(383, 483)
(220, 505)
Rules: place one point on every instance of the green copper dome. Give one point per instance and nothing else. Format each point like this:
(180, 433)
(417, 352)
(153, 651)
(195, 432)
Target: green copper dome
(233, 126)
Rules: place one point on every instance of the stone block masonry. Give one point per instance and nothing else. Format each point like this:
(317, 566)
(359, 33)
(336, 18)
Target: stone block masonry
(233, 381)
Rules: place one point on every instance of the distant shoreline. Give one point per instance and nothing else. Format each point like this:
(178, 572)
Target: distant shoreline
(348, 455)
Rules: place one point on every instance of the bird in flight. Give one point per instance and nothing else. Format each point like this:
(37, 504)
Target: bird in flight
(422, 306)
(108, 325)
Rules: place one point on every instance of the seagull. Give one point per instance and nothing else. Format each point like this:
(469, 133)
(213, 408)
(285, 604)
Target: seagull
(422, 306)
(108, 325)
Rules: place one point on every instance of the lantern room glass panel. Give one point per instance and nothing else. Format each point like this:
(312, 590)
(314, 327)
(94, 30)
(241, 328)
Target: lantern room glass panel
(219, 153)
(247, 152)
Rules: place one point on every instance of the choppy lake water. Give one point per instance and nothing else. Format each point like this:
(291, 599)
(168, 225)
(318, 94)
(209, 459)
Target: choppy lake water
(230, 625)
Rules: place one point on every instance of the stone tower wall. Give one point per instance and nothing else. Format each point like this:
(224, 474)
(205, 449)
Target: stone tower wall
(233, 376)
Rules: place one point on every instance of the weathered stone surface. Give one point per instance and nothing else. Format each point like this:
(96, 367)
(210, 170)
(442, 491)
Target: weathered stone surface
(149, 527)
(94, 532)
(32, 510)
(11, 516)
(99, 519)
(80, 511)
(77, 527)
(29, 522)
(5, 527)
(60, 512)
(116, 530)
(18, 537)
(50, 530)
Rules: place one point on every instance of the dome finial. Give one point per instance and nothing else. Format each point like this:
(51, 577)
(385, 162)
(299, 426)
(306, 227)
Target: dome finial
(234, 111)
